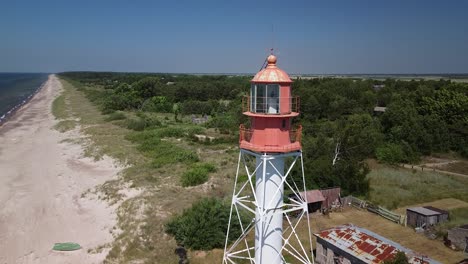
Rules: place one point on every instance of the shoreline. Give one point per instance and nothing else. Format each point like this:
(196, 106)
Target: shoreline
(47, 188)
(5, 117)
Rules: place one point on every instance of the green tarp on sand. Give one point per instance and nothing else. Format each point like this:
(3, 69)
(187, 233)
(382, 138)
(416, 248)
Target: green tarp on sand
(69, 246)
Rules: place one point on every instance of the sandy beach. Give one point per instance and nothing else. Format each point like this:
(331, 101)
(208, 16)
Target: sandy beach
(42, 179)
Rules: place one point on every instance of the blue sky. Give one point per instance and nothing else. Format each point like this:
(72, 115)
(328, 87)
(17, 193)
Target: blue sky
(234, 36)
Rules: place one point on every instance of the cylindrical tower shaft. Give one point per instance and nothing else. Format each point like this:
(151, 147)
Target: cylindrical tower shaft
(269, 224)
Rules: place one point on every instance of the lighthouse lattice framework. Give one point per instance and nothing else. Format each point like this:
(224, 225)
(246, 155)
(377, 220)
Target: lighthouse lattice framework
(270, 152)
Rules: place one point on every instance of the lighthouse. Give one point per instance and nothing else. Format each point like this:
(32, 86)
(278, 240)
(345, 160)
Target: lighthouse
(264, 189)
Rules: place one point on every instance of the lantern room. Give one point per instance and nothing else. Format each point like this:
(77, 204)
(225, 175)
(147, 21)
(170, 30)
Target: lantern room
(270, 92)
(270, 107)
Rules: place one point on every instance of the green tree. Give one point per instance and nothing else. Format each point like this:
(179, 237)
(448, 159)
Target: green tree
(203, 226)
(399, 258)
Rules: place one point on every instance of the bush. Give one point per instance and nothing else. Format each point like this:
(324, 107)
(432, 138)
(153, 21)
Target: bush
(175, 132)
(204, 225)
(167, 153)
(390, 153)
(158, 104)
(399, 258)
(143, 122)
(115, 116)
(198, 174)
(136, 124)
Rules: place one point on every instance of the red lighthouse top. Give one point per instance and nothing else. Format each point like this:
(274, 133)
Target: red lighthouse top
(272, 74)
(270, 107)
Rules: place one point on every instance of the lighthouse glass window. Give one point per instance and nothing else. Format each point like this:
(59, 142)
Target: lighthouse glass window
(265, 98)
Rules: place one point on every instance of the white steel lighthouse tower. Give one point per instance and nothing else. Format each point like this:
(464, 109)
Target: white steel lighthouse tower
(264, 191)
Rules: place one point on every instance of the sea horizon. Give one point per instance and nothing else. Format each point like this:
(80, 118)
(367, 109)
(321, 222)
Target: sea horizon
(16, 89)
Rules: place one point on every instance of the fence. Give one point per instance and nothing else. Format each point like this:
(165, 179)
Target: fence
(383, 212)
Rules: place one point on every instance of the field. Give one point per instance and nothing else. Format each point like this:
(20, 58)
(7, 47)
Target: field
(394, 187)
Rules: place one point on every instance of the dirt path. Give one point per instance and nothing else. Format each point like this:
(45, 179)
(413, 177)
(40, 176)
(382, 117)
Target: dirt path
(431, 168)
(42, 181)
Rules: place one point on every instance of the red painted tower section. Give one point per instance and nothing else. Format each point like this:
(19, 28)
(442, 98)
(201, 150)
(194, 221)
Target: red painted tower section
(270, 107)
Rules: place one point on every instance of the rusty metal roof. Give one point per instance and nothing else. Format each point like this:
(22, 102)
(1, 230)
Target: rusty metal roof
(366, 245)
(312, 196)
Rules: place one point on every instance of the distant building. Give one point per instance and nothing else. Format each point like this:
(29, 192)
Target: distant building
(425, 216)
(380, 109)
(348, 244)
(458, 237)
(199, 120)
(378, 87)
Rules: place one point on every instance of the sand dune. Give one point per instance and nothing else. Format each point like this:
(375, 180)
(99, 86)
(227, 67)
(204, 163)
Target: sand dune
(41, 184)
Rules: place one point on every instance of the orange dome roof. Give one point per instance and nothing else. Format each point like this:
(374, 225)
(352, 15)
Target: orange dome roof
(272, 74)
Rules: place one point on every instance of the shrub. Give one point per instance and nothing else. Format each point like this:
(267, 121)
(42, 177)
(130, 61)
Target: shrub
(175, 132)
(143, 122)
(136, 124)
(204, 225)
(399, 258)
(115, 116)
(168, 153)
(157, 104)
(390, 153)
(198, 174)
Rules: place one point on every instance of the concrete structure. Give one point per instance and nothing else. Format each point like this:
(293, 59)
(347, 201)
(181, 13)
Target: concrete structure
(264, 147)
(458, 237)
(425, 216)
(352, 244)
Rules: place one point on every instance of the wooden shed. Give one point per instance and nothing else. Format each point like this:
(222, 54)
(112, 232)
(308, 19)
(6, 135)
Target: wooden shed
(332, 198)
(425, 216)
(314, 199)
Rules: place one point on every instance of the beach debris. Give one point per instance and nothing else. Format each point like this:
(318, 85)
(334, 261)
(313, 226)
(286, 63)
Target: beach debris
(67, 246)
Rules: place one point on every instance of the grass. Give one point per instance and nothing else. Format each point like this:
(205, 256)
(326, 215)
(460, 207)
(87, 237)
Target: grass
(59, 107)
(65, 125)
(393, 187)
(155, 160)
(458, 216)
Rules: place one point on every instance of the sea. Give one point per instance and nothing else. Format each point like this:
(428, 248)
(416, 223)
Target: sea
(16, 89)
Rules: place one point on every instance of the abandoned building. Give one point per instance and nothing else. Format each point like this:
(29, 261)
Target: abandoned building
(332, 197)
(325, 199)
(351, 244)
(425, 216)
(314, 199)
